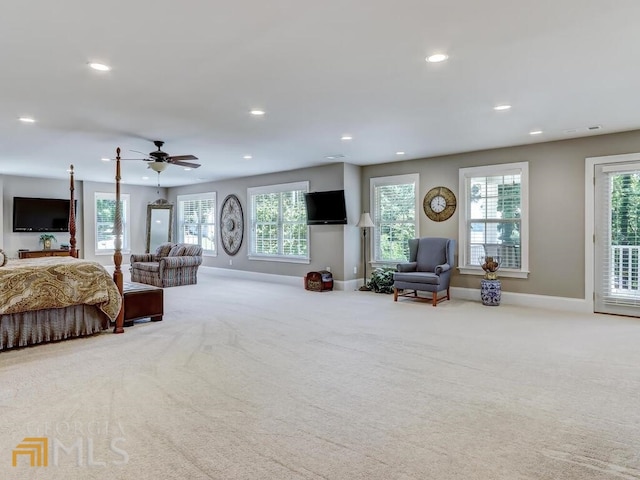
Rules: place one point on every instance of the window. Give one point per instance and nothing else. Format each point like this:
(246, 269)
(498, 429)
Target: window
(278, 218)
(394, 206)
(494, 218)
(197, 220)
(105, 205)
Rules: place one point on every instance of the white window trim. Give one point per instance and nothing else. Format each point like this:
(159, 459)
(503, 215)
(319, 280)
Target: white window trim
(126, 244)
(198, 196)
(486, 171)
(283, 187)
(391, 180)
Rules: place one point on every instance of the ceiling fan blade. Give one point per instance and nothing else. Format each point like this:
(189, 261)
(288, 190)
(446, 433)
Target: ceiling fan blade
(185, 164)
(171, 158)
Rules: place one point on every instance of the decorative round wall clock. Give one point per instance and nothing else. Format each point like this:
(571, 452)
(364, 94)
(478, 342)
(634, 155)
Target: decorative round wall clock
(231, 224)
(439, 204)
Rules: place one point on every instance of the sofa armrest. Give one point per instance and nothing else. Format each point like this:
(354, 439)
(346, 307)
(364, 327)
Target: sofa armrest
(442, 268)
(141, 257)
(407, 267)
(180, 261)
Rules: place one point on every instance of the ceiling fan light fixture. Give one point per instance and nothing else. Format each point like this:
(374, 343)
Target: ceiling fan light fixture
(158, 166)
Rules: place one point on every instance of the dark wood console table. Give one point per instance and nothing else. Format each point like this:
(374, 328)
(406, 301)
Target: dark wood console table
(52, 252)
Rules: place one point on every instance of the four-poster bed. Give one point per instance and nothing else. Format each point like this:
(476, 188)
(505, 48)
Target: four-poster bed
(55, 298)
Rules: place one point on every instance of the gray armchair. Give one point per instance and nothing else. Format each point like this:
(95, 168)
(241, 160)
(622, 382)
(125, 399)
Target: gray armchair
(428, 270)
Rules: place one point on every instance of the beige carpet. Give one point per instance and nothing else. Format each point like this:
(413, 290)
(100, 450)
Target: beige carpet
(247, 380)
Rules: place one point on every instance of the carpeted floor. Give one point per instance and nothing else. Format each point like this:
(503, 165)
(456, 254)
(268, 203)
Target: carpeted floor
(248, 380)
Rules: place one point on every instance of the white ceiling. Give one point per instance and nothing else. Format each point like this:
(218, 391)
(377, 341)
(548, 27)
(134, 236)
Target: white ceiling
(189, 72)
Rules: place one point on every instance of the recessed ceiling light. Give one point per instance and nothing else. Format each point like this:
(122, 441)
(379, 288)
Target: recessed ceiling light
(101, 67)
(399, 153)
(346, 137)
(257, 112)
(105, 159)
(145, 178)
(535, 132)
(334, 157)
(438, 57)
(502, 107)
(27, 120)
(187, 169)
(247, 157)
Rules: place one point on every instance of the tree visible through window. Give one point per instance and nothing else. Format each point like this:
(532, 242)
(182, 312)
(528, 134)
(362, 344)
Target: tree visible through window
(197, 220)
(278, 219)
(105, 211)
(494, 216)
(394, 214)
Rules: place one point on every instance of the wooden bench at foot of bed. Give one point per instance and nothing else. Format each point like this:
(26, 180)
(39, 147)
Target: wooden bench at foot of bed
(142, 301)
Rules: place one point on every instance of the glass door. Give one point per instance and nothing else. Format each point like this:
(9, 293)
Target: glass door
(617, 239)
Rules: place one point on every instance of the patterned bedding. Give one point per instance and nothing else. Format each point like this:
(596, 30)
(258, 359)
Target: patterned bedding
(56, 282)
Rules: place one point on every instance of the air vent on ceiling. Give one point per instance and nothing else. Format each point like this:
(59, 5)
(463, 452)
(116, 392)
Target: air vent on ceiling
(594, 127)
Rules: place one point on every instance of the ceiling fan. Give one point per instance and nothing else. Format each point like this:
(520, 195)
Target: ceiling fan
(159, 160)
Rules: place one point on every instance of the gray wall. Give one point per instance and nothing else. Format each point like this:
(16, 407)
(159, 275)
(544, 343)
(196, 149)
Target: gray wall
(15, 186)
(557, 210)
(556, 201)
(326, 241)
(140, 196)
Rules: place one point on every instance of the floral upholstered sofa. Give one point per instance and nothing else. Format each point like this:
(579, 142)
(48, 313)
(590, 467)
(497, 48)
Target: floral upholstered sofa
(172, 265)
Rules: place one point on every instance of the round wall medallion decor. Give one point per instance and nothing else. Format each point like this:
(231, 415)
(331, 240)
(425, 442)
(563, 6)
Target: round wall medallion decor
(231, 224)
(439, 204)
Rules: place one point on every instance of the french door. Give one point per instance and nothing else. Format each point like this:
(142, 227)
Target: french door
(617, 238)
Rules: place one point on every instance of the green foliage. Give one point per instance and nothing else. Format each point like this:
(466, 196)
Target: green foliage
(396, 222)
(509, 205)
(47, 237)
(625, 209)
(382, 280)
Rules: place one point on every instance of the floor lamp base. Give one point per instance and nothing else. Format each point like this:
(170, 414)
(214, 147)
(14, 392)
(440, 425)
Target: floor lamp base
(364, 288)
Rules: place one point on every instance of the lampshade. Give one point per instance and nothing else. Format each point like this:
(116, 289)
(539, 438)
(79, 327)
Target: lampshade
(158, 166)
(365, 220)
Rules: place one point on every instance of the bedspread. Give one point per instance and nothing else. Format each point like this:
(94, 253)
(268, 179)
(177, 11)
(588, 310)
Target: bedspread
(56, 282)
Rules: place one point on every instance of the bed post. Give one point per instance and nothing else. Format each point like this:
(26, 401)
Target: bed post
(117, 254)
(72, 217)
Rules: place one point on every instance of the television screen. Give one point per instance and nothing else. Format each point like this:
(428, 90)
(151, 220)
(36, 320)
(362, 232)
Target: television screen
(40, 214)
(326, 208)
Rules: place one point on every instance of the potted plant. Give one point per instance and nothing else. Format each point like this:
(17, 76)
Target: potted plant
(382, 280)
(46, 239)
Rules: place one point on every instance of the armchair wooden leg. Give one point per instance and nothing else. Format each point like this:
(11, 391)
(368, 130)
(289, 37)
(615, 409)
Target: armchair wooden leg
(395, 294)
(435, 299)
(448, 296)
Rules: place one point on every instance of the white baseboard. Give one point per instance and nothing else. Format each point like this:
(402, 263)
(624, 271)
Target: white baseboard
(578, 305)
(275, 278)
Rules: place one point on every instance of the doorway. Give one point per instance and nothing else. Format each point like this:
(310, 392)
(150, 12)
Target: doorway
(616, 238)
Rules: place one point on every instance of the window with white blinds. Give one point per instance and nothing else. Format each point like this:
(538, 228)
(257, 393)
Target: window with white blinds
(278, 219)
(618, 239)
(394, 207)
(494, 218)
(105, 212)
(197, 220)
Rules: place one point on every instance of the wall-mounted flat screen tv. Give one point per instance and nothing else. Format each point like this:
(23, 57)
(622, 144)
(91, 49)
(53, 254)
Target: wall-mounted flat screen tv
(40, 214)
(326, 208)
